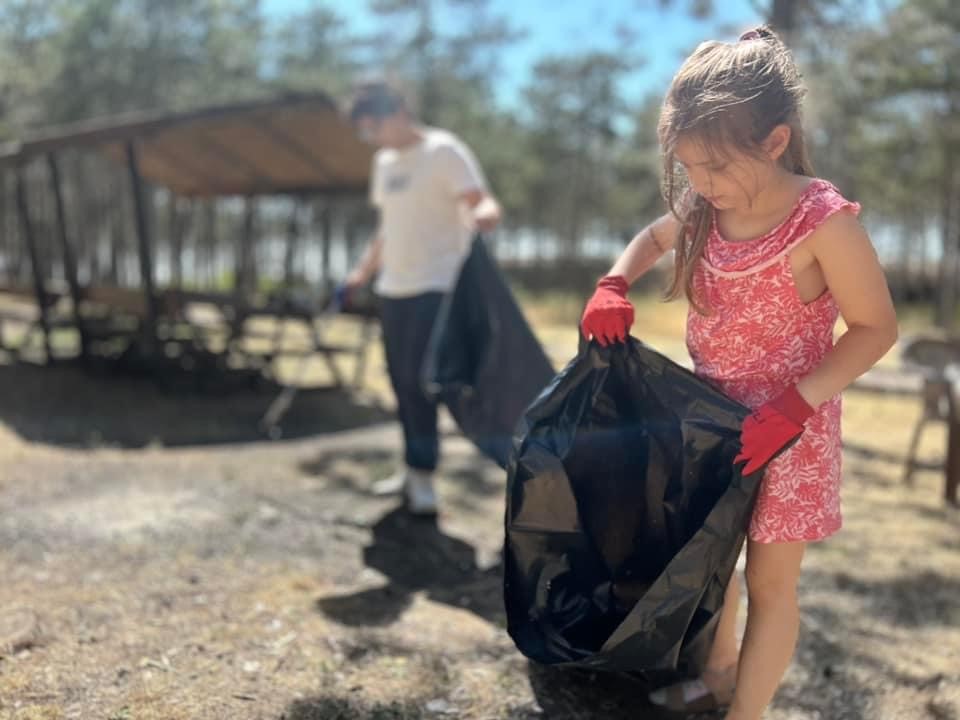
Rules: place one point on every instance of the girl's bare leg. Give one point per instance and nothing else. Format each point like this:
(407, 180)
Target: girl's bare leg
(773, 622)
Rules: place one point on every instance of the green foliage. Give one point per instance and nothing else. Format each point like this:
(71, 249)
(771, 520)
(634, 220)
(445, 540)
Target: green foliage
(571, 159)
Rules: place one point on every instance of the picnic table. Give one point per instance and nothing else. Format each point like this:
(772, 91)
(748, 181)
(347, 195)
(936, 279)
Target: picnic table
(206, 330)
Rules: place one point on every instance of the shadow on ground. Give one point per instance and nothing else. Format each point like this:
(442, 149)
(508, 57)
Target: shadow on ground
(560, 695)
(333, 708)
(572, 694)
(909, 600)
(415, 555)
(69, 406)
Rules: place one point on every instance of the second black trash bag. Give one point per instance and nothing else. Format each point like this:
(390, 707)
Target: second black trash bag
(625, 514)
(483, 361)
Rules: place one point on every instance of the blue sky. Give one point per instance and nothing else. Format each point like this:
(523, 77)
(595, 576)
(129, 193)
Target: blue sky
(556, 27)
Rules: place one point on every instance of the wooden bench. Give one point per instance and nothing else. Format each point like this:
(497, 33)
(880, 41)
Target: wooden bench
(114, 316)
(315, 315)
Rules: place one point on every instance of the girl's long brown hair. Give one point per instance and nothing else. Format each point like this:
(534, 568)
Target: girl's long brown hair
(728, 97)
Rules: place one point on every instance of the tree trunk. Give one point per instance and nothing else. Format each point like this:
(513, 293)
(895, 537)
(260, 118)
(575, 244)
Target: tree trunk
(947, 281)
(117, 226)
(783, 17)
(326, 239)
(175, 232)
(350, 238)
(951, 314)
(207, 242)
(292, 244)
(6, 240)
(245, 272)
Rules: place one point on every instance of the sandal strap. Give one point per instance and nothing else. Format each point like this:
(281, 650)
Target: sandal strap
(689, 696)
(692, 696)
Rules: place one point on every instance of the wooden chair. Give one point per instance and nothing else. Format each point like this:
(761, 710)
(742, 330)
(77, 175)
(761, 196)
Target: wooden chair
(929, 356)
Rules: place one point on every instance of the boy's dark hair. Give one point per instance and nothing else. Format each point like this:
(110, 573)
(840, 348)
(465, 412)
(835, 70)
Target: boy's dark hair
(377, 100)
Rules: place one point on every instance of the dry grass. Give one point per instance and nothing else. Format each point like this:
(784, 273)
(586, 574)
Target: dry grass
(249, 580)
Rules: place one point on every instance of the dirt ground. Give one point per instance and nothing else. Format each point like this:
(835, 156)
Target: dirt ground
(159, 560)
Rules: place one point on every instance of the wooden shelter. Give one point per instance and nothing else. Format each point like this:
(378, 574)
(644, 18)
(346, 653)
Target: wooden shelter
(295, 145)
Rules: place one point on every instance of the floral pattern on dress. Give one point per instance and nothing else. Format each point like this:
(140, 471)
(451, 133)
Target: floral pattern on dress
(758, 339)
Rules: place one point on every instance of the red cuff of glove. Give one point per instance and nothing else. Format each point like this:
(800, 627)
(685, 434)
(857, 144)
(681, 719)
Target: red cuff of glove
(771, 428)
(617, 283)
(792, 405)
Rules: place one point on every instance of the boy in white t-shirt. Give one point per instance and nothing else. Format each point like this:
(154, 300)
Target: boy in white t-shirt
(432, 197)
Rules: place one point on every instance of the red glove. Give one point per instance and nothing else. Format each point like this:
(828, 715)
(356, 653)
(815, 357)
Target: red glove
(609, 315)
(771, 428)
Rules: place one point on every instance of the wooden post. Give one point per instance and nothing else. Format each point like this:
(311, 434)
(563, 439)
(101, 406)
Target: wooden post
(6, 237)
(289, 262)
(175, 238)
(8, 231)
(207, 242)
(293, 241)
(114, 215)
(326, 233)
(243, 273)
(144, 249)
(244, 269)
(952, 469)
(89, 220)
(69, 259)
(350, 237)
(31, 242)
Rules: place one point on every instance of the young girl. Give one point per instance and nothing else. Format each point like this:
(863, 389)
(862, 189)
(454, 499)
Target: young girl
(768, 256)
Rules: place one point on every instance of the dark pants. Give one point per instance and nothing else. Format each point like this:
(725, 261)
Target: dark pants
(406, 324)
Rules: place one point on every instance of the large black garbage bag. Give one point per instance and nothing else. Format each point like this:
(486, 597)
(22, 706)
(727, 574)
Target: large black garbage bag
(483, 361)
(625, 515)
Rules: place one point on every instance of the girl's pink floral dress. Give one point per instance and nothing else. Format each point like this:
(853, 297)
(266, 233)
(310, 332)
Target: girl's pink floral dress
(759, 339)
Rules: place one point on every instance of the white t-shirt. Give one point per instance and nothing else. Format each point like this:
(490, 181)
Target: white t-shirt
(426, 231)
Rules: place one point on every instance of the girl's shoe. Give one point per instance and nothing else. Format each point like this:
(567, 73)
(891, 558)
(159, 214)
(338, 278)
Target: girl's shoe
(693, 696)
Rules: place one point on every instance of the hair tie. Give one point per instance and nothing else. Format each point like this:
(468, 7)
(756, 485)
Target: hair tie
(760, 33)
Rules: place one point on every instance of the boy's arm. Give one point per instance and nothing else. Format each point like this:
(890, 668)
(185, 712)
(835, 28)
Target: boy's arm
(486, 209)
(369, 263)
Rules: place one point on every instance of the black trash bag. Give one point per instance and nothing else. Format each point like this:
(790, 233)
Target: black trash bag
(483, 361)
(625, 515)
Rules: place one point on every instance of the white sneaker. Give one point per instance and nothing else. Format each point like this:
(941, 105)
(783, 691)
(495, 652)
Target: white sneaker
(392, 485)
(421, 498)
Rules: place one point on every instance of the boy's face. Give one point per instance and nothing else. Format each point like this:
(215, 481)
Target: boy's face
(368, 128)
(382, 131)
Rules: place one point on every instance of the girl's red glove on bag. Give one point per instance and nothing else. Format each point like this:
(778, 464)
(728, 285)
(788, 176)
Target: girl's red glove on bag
(609, 315)
(771, 428)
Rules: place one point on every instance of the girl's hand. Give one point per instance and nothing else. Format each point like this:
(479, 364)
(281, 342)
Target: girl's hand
(771, 428)
(609, 315)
